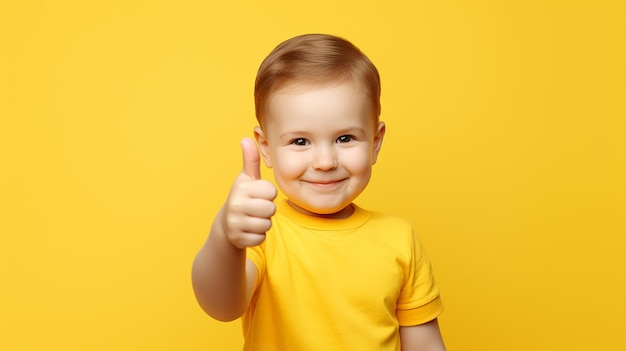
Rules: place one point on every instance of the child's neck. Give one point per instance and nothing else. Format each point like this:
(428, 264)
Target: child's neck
(341, 214)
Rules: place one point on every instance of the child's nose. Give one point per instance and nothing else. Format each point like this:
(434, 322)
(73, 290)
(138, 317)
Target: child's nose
(325, 158)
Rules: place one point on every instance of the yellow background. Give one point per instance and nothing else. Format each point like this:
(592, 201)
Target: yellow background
(119, 138)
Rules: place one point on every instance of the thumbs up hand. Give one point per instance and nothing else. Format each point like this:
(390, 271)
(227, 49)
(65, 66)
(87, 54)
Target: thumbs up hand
(248, 210)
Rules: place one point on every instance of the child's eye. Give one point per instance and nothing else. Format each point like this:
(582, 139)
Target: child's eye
(345, 138)
(299, 142)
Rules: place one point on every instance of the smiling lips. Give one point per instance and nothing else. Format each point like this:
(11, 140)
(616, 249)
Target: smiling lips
(324, 183)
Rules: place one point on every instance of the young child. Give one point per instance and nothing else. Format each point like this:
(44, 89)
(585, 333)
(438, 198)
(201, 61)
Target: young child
(314, 271)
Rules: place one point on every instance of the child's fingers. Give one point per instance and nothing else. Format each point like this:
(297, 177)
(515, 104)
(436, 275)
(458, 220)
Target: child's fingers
(260, 208)
(251, 159)
(261, 189)
(248, 240)
(256, 225)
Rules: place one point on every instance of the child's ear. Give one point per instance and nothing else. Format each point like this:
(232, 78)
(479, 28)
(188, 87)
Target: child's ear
(259, 135)
(378, 140)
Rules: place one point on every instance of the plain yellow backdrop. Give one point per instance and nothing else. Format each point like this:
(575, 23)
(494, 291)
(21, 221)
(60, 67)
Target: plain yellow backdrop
(119, 138)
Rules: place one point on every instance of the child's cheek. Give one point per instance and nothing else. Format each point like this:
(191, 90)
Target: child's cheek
(290, 164)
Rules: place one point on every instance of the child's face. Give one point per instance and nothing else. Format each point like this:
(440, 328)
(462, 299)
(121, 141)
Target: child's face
(321, 143)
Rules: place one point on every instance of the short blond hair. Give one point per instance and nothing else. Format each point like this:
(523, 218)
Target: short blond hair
(315, 59)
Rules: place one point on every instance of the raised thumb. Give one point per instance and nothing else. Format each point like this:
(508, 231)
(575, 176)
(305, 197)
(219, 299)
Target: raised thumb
(251, 158)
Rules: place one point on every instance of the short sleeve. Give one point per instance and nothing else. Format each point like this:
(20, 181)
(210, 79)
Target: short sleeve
(419, 300)
(256, 254)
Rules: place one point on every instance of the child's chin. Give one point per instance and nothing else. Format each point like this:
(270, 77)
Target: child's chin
(330, 212)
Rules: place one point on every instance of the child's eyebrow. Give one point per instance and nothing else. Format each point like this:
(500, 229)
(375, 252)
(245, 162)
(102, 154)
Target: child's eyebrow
(349, 130)
(292, 133)
(352, 130)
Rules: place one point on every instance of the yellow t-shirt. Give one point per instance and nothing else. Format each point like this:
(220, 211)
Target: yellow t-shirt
(338, 284)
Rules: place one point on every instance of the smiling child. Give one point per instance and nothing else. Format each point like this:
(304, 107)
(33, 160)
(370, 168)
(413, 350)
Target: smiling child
(314, 271)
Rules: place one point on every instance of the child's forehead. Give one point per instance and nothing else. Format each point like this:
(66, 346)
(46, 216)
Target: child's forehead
(297, 89)
(300, 96)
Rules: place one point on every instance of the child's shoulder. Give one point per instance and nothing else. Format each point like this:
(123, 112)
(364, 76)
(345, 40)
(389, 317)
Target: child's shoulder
(387, 217)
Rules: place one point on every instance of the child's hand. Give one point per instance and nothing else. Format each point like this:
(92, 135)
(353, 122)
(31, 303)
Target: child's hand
(250, 206)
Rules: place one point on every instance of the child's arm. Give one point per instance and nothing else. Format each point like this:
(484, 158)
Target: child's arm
(423, 337)
(222, 277)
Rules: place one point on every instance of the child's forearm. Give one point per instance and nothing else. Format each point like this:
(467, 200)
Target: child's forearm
(219, 275)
